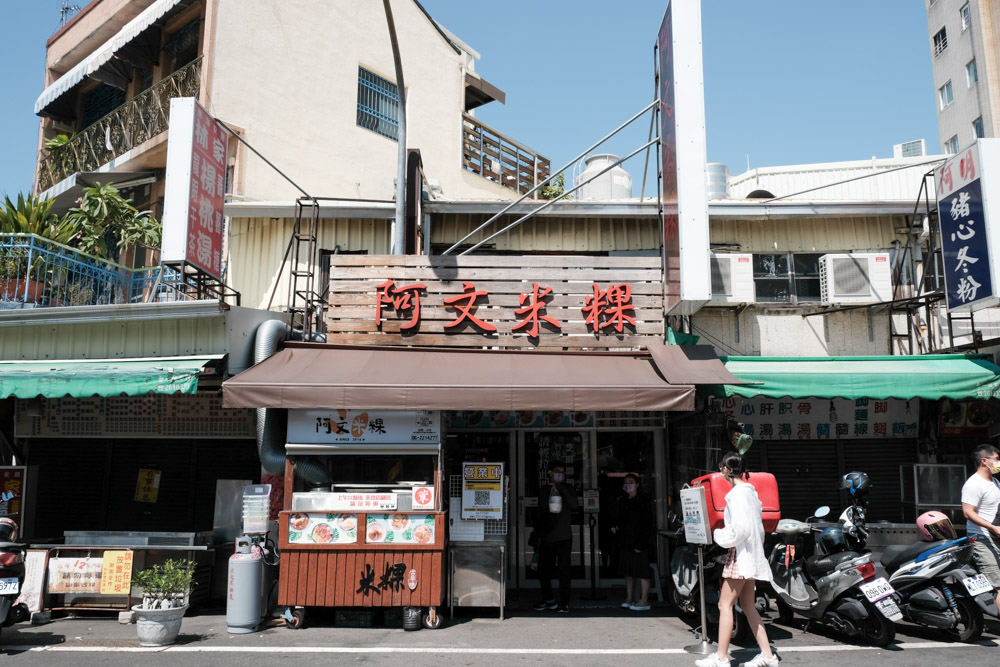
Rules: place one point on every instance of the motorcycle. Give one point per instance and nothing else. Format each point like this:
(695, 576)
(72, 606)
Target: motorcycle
(11, 575)
(838, 588)
(938, 590)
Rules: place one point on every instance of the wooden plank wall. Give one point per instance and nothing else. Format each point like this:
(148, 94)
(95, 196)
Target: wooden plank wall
(327, 578)
(350, 315)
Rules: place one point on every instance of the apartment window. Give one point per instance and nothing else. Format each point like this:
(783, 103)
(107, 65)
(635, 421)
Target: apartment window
(940, 41)
(951, 146)
(977, 128)
(971, 73)
(378, 104)
(786, 277)
(966, 14)
(944, 95)
(99, 102)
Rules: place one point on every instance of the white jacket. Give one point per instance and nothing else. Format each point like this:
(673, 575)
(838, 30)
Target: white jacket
(745, 531)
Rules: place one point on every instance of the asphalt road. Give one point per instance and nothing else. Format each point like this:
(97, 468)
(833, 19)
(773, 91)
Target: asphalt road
(585, 637)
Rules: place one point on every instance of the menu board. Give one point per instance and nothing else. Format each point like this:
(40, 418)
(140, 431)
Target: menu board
(695, 509)
(400, 529)
(322, 528)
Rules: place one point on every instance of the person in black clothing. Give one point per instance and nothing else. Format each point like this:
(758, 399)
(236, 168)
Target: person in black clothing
(556, 504)
(634, 529)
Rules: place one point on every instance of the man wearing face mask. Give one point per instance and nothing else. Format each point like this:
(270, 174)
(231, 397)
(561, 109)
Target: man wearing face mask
(634, 528)
(980, 504)
(556, 504)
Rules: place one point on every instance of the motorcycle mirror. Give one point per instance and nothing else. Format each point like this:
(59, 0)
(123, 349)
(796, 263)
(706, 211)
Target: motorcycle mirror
(821, 511)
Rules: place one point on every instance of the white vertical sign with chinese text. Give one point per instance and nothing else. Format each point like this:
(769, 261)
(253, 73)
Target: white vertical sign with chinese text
(965, 209)
(195, 187)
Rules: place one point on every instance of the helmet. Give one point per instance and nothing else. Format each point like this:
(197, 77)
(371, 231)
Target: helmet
(935, 526)
(832, 541)
(857, 484)
(8, 529)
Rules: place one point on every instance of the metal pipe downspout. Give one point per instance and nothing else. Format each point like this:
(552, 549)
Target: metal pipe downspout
(272, 423)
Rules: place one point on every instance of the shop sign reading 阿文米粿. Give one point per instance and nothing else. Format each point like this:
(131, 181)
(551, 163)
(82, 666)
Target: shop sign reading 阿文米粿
(338, 427)
(823, 418)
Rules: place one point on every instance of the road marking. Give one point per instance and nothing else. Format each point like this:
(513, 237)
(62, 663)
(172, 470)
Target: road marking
(458, 650)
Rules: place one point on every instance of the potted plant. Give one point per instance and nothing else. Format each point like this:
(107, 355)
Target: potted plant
(164, 601)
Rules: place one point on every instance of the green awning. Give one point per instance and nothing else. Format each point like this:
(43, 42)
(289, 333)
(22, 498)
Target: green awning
(929, 376)
(55, 379)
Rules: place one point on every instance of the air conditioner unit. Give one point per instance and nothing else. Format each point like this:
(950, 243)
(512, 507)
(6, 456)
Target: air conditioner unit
(855, 278)
(732, 278)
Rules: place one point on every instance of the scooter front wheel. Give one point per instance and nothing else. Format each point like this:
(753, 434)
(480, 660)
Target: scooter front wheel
(878, 630)
(970, 622)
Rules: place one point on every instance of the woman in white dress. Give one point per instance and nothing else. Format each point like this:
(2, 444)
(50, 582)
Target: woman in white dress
(743, 535)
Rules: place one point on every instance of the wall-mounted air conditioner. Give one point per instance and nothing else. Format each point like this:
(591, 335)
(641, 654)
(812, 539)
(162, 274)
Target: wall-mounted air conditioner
(855, 278)
(732, 278)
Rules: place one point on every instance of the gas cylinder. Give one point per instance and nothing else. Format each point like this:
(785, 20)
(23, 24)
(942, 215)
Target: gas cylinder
(243, 601)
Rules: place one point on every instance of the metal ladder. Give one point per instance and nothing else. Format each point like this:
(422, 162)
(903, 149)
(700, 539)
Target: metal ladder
(302, 297)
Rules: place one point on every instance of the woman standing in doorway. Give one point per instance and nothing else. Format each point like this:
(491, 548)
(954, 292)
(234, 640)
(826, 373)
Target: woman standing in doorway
(743, 535)
(634, 529)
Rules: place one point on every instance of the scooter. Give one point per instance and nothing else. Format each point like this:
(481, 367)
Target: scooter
(11, 575)
(839, 590)
(937, 589)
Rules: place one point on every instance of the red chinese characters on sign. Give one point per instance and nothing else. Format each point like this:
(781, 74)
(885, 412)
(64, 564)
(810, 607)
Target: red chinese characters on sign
(613, 304)
(208, 186)
(536, 303)
(612, 307)
(470, 295)
(399, 298)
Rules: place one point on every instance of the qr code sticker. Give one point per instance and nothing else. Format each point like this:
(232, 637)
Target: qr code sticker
(482, 498)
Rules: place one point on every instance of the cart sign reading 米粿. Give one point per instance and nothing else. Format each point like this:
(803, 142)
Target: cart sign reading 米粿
(363, 427)
(965, 211)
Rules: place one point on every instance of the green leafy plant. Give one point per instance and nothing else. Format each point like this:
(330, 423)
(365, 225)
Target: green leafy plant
(164, 586)
(556, 187)
(32, 215)
(60, 157)
(104, 215)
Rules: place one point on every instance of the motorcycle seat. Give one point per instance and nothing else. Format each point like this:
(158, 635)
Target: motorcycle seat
(791, 527)
(820, 566)
(895, 556)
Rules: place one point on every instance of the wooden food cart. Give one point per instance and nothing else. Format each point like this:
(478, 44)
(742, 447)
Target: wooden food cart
(375, 540)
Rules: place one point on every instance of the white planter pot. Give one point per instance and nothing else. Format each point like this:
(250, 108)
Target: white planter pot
(158, 627)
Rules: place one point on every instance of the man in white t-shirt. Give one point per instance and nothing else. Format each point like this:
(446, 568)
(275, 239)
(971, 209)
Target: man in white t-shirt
(980, 503)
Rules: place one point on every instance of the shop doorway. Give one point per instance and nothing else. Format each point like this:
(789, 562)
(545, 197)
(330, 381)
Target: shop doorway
(620, 453)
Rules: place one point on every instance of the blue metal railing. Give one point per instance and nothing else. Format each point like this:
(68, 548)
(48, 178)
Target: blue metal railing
(37, 272)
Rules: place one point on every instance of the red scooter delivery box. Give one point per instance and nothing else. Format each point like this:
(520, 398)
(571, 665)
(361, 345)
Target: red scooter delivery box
(716, 488)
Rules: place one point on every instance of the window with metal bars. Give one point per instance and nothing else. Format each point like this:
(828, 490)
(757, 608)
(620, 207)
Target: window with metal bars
(378, 104)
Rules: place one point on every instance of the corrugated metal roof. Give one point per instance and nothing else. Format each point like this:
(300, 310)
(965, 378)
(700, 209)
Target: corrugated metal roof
(823, 234)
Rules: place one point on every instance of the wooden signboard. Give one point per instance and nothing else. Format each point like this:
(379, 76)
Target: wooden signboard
(501, 301)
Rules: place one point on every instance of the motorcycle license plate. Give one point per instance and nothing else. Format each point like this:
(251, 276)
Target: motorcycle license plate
(889, 609)
(9, 586)
(877, 589)
(977, 584)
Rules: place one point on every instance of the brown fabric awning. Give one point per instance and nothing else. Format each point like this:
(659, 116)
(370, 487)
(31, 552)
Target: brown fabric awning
(310, 375)
(691, 364)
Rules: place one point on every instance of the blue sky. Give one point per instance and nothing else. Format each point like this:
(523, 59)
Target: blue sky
(786, 81)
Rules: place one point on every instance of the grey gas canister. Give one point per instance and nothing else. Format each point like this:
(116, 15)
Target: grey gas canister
(243, 600)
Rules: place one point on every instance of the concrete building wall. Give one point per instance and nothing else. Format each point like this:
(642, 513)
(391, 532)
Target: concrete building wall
(288, 74)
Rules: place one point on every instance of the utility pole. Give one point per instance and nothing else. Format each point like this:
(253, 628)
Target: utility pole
(398, 229)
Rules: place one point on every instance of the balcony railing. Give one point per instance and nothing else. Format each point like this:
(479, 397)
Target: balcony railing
(495, 157)
(138, 120)
(36, 272)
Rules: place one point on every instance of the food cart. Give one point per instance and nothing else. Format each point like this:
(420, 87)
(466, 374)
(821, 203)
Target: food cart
(362, 525)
